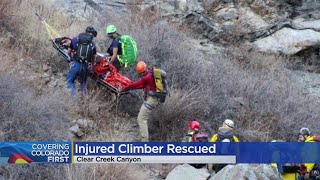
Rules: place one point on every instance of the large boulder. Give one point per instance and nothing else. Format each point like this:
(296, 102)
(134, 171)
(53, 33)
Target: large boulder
(288, 41)
(303, 23)
(265, 172)
(187, 172)
(246, 171)
(237, 172)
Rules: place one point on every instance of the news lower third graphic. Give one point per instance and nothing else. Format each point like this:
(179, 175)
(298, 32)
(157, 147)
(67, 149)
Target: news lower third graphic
(158, 152)
(35, 152)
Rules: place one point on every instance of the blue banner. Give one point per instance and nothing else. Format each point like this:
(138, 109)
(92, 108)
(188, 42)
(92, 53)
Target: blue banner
(245, 152)
(35, 152)
(284, 152)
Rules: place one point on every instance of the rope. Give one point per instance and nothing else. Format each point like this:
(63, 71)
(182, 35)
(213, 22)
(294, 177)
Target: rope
(52, 33)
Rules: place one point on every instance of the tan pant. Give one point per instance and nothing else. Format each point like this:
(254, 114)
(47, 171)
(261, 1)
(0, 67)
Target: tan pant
(143, 116)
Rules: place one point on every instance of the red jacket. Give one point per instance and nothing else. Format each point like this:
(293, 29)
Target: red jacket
(147, 83)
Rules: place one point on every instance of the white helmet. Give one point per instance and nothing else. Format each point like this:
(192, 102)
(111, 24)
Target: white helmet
(229, 123)
(305, 131)
(226, 140)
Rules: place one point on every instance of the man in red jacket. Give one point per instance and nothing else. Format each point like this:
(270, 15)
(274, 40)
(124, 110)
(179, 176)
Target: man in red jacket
(147, 82)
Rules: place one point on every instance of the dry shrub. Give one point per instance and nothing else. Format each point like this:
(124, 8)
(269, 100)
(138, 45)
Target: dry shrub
(306, 60)
(169, 121)
(107, 171)
(272, 100)
(34, 171)
(76, 171)
(26, 117)
(5, 7)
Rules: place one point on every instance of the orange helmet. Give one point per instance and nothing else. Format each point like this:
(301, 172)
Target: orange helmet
(194, 125)
(141, 67)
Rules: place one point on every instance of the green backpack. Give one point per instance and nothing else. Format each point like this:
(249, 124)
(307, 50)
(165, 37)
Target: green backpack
(129, 51)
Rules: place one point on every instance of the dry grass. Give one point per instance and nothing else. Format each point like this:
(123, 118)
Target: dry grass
(27, 117)
(108, 172)
(39, 171)
(169, 121)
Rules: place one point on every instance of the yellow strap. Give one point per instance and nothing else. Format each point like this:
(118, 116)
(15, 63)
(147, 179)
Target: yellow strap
(158, 79)
(121, 61)
(52, 33)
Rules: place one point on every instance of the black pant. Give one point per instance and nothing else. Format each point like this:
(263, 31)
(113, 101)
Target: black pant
(198, 166)
(218, 167)
(117, 64)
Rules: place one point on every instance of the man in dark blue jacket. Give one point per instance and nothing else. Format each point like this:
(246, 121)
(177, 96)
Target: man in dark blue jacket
(83, 51)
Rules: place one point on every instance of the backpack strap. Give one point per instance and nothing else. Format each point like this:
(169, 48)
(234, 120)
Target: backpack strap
(122, 63)
(317, 138)
(158, 79)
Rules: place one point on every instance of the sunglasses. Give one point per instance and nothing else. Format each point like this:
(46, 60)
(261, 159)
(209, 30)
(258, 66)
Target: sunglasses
(110, 34)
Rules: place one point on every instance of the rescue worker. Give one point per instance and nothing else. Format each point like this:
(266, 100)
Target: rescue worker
(147, 82)
(194, 135)
(225, 132)
(286, 171)
(308, 170)
(82, 51)
(194, 127)
(115, 48)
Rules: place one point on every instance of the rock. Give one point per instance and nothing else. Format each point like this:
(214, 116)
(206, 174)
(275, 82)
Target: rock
(194, 6)
(307, 24)
(246, 171)
(187, 172)
(85, 123)
(182, 5)
(253, 21)
(76, 130)
(308, 8)
(45, 75)
(265, 172)
(81, 127)
(227, 21)
(222, 173)
(226, 14)
(237, 172)
(203, 25)
(288, 41)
